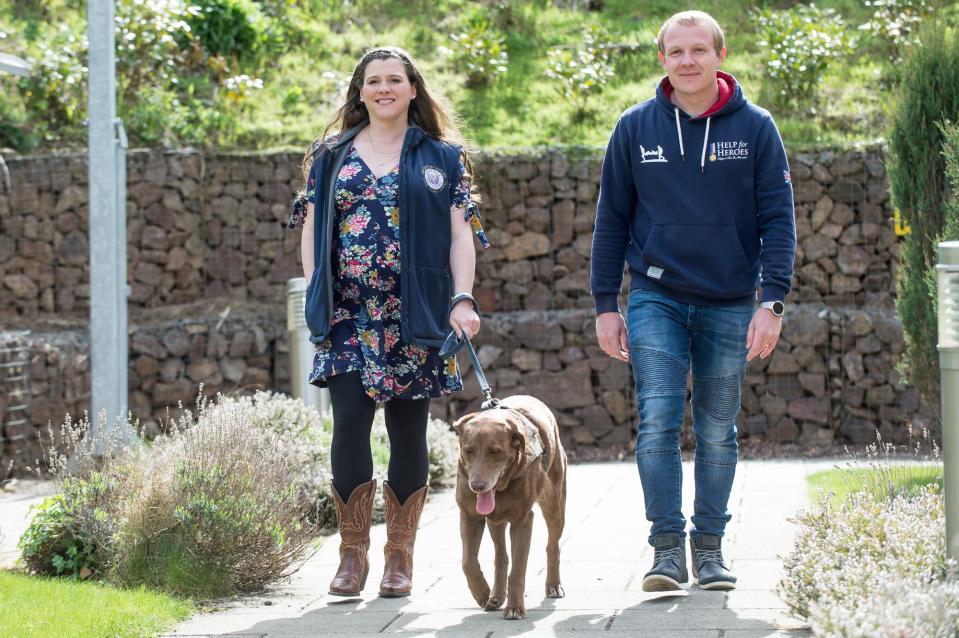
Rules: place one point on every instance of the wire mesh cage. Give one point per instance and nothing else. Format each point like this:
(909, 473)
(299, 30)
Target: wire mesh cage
(16, 428)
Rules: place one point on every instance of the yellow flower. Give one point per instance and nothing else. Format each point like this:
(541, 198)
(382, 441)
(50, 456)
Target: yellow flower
(451, 366)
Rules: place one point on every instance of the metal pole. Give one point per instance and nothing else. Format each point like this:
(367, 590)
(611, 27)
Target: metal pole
(301, 349)
(948, 277)
(108, 236)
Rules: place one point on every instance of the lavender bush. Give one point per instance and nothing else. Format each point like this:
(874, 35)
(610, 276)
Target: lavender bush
(874, 564)
(228, 501)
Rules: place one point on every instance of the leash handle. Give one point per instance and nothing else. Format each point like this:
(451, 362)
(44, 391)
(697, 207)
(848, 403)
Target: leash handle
(454, 344)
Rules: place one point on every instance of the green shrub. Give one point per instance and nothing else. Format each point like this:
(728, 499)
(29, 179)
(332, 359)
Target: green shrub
(228, 501)
(54, 543)
(950, 151)
(895, 25)
(582, 70)
(480, 50)
(154, 44)
(226, 28)
(798, 45)
(56, 86)
(213, 509)
(918, 181)
(308, 436)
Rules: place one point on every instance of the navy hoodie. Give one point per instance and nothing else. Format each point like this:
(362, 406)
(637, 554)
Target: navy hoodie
(700, 208)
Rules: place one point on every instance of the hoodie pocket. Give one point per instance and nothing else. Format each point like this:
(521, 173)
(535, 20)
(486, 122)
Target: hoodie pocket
(703, 258)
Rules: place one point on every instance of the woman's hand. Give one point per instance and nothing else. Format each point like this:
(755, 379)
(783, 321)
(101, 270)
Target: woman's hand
(464, 320)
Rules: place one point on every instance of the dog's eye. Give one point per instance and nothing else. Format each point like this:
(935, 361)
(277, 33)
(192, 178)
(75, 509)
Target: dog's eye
(468, 451)
(496, 450)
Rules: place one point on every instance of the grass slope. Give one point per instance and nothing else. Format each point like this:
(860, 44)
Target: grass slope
(316, 44)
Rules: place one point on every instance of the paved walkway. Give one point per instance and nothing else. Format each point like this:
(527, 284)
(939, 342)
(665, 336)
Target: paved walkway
(604, 557)
(14, 510)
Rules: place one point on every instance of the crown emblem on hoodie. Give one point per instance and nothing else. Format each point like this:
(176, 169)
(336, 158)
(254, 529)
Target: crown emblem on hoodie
(652, 156)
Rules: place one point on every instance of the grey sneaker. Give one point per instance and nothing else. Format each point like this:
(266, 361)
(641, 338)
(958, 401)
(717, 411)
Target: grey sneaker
(708, 566)
(669, 564)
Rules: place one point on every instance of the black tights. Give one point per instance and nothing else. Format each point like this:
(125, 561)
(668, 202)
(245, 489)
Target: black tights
(350, 453)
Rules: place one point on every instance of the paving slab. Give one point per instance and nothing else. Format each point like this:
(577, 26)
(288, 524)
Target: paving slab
(15, 506)
(604, 557)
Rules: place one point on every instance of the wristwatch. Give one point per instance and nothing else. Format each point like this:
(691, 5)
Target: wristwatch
(776, 307)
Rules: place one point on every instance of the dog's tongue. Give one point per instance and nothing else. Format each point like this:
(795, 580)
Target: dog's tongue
(486, 502)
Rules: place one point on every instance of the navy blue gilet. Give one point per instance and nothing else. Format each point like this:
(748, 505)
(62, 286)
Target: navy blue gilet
(429, 171)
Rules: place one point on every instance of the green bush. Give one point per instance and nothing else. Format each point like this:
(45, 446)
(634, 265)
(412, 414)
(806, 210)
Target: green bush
(798, 45)
(308, 436)
(918, 181)
(226, 28)
(54, 543)
(950, 151)
(56, 86)
(154, 45)
(212, 509)
(481, 51)
(895, 25)
(582, 71)
(227, 502)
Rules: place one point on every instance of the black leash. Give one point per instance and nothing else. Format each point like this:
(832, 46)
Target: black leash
(454, 344)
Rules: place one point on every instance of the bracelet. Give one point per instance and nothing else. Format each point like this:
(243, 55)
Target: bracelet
(460, 296)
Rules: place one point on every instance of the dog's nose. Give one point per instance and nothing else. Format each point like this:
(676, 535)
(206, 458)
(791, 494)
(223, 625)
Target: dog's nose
(478, 485)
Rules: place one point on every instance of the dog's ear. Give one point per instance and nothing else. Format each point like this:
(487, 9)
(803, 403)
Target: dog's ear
(517, 434)
(457, 426)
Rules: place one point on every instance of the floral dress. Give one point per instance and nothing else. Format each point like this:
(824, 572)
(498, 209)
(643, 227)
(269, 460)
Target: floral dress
(365, 329)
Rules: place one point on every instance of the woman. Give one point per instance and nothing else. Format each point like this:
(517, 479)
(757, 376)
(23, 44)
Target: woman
(388, 253)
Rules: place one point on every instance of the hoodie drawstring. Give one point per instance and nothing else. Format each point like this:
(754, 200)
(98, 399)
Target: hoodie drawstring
(682, 150)
(702, 160)
(679, 134)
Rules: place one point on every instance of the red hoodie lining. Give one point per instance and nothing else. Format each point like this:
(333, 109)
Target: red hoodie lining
(724, 82)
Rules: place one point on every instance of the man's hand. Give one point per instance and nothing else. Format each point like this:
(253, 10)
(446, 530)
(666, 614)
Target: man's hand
(611, 333)
(464, 320)
(763, 334)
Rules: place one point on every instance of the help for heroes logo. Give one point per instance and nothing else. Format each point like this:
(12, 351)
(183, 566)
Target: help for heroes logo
(719, 151)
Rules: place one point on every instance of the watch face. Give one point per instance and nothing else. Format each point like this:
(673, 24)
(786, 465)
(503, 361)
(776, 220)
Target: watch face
(778, 308)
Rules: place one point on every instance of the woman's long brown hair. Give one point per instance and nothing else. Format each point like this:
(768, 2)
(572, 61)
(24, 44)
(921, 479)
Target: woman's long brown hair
(428, 111)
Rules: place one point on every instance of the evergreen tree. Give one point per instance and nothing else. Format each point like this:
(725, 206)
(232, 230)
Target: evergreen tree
(917, 175)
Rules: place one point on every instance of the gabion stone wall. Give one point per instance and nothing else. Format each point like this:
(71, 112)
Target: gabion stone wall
(207, 232)
(171, 355)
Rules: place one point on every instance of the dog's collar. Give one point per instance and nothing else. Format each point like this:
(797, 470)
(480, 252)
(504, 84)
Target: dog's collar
(534, 443)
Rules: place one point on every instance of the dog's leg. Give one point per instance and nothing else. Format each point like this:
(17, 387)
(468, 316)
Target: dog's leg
(501, 562)
(554, 511)
(520, 536)
(471, 531)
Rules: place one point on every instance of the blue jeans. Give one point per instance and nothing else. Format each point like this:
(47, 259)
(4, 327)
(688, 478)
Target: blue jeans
(667, 338)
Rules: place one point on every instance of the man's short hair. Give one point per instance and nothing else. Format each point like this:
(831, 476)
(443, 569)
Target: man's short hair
(690, 19)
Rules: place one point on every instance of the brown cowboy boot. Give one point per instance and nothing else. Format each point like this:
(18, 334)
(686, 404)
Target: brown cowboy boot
(353, 519)
(401, 523)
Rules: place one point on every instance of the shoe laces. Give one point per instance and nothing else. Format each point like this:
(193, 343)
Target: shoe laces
(707, 555)
(673, 553)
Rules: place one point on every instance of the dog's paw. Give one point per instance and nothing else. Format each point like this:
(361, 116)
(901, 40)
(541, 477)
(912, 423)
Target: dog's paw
(482, 598)
(515, 613)
(494, 602)
(555, 591)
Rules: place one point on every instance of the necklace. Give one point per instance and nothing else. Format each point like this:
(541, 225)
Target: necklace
(383, 160)
(378, 151)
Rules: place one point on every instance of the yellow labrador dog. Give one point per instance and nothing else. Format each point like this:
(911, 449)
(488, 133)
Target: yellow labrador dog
(510, 458)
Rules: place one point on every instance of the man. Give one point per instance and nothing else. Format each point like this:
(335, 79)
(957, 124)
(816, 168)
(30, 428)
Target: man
(696, 198)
